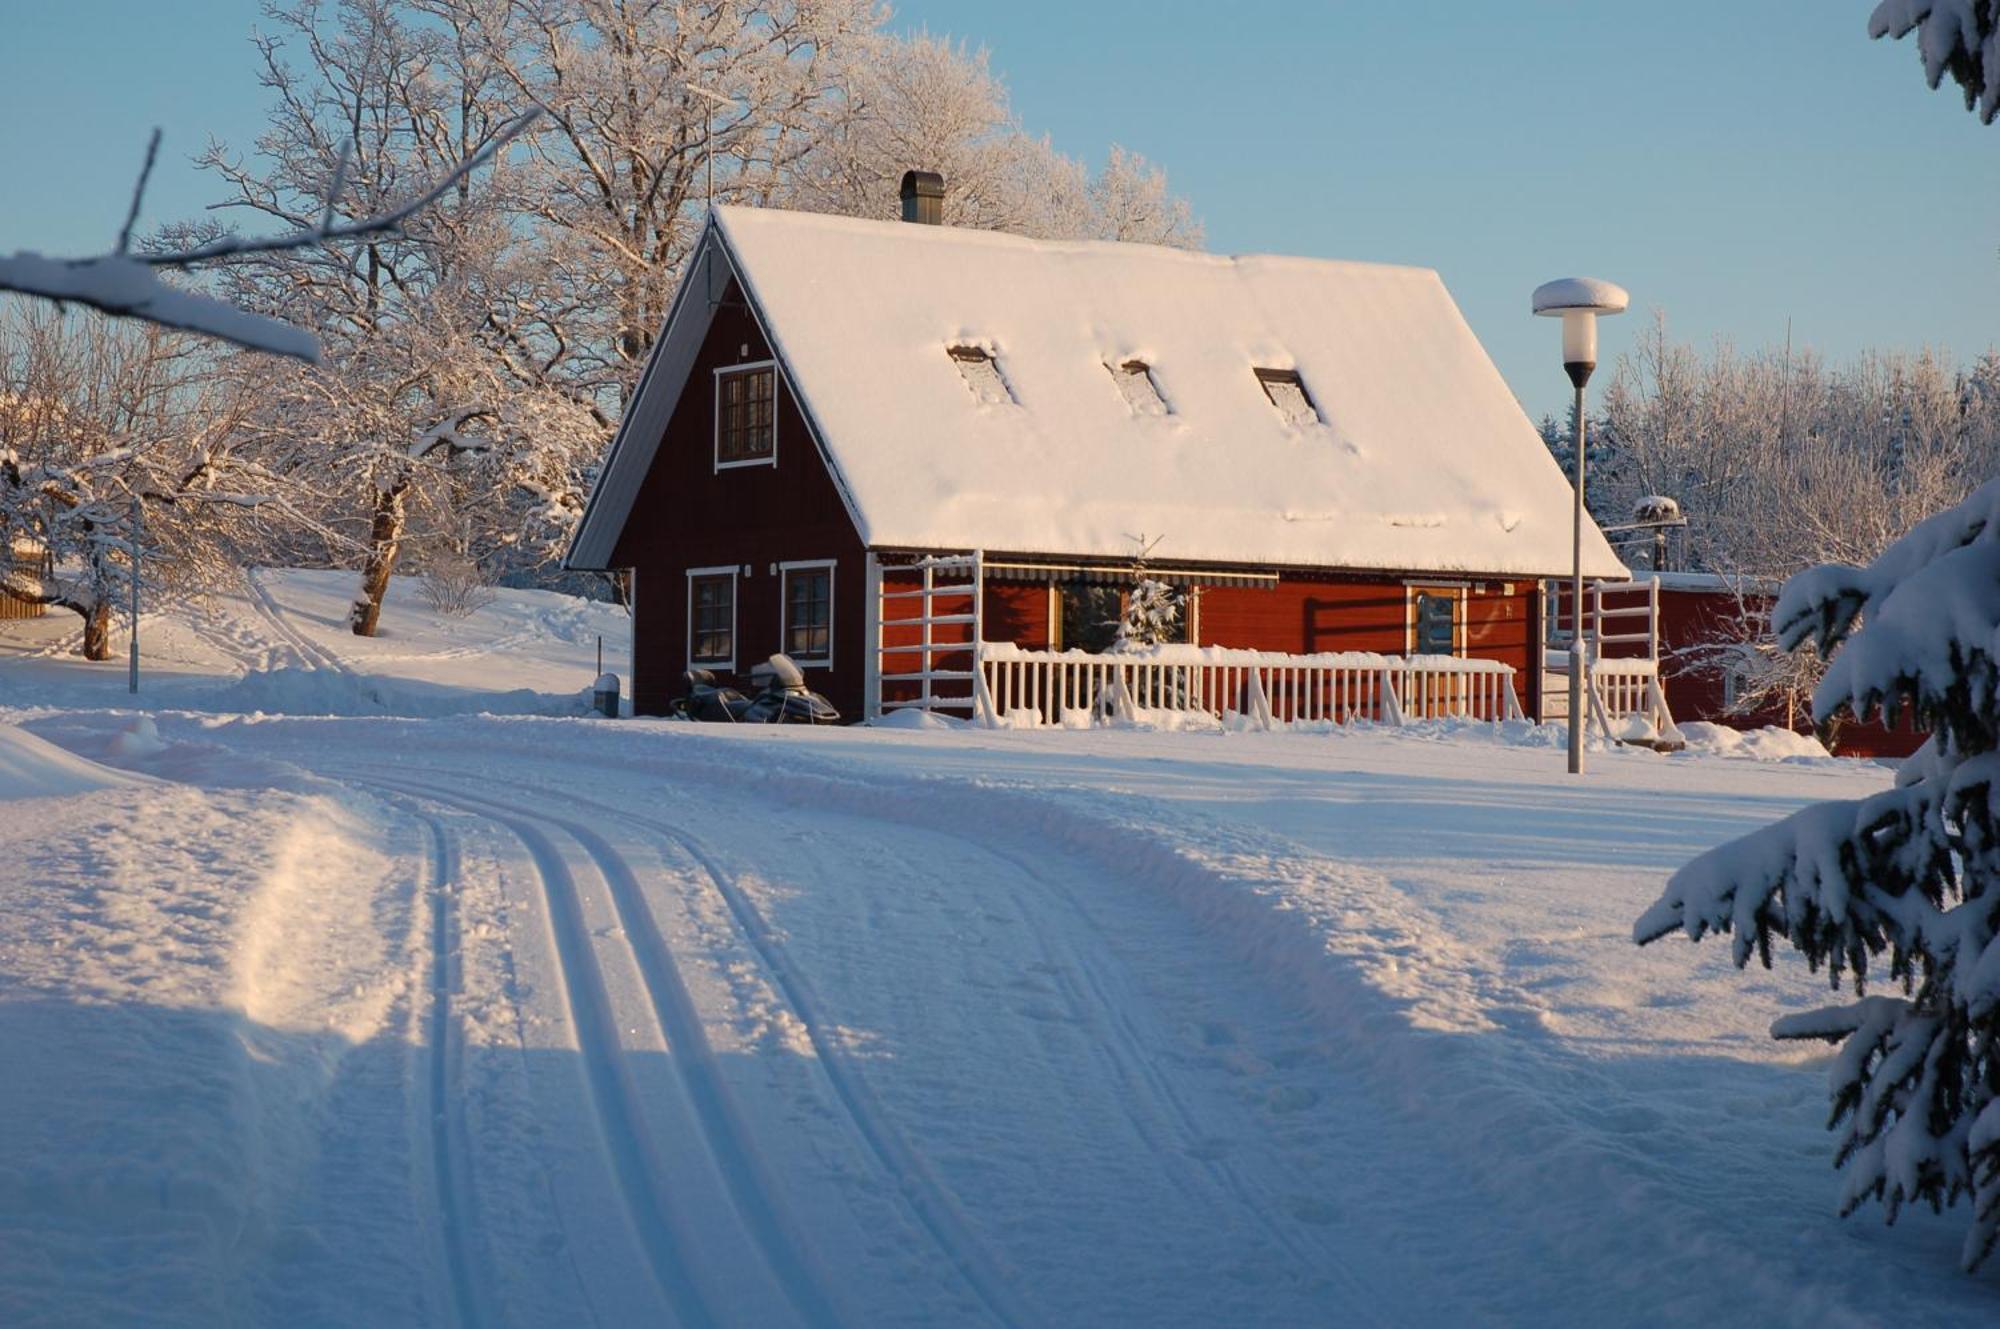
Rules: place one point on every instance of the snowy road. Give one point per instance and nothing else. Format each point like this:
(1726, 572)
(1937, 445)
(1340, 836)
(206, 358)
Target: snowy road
(827, 1068)
(480, 1021)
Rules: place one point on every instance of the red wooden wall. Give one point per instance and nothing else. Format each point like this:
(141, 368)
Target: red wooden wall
(1690, 618)
(690, 515)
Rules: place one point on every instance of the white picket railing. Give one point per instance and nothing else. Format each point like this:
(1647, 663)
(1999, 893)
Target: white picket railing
(1622, 690)
(1070, 687)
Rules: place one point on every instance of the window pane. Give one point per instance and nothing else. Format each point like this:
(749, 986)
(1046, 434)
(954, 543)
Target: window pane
(1135, 383)
(745, 417)
(1288, 393)
(982, 375)
(809, 613)
(714, 620)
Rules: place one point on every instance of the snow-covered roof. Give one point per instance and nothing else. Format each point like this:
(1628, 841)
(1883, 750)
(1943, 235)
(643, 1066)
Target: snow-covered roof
(1422, 459)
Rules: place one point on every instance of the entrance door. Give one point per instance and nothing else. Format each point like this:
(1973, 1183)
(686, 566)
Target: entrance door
(1434, 629)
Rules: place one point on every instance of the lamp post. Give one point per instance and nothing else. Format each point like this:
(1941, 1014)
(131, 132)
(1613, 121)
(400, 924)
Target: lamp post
(1578, 300)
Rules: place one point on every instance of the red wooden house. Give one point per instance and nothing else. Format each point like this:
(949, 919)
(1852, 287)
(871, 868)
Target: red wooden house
(871, 444)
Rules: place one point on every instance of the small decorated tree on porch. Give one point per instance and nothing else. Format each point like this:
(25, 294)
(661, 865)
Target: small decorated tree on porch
(1910, 877)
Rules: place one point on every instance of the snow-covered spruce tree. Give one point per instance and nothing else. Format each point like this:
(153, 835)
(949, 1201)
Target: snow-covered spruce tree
(1152, 615)
(1910, 877)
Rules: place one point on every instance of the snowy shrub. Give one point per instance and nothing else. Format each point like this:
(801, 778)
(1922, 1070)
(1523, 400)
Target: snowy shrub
(1152, 615)
(454, 585)
(1910, 876)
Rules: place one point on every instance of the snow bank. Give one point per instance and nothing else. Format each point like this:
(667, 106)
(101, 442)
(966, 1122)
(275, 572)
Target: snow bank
(1771, 743)
(31, 768)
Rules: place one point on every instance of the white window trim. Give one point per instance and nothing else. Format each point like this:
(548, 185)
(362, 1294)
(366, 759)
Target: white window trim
(715, 411)
(734, 574)
(1461, 594)
(785, 608)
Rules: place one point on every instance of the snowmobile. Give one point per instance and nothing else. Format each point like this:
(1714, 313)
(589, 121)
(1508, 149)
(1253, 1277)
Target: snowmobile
(784, 698)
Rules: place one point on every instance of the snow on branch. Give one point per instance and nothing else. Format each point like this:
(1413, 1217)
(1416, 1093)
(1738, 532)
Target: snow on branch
(1956, 37)
(129, 286)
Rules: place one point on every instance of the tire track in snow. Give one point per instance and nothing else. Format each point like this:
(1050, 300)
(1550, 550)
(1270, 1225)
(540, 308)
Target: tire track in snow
(634, 1161)
(724, 1134)
(924, 1196)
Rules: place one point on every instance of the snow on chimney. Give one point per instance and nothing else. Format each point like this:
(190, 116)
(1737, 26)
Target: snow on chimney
(923, 198)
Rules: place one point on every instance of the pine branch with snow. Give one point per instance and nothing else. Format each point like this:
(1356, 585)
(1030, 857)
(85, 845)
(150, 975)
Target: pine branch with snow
(1960, 38)
(1910, 876)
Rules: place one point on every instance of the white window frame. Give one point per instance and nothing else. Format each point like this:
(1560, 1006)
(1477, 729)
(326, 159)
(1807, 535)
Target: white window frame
(785, 608)
(734, 573)
(715, 423)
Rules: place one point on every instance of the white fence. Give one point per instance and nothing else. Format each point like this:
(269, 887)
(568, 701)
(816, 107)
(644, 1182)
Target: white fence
(1259, 688)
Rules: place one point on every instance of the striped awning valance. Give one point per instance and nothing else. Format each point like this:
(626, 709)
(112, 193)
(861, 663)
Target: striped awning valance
(1116, 574)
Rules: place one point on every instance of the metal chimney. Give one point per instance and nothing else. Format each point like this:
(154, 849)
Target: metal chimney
(923, 198)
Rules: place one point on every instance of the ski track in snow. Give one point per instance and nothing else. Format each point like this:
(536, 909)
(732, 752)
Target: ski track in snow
(756, 1199)
(1177, 1142)
(308, 653)
(1158, 1113)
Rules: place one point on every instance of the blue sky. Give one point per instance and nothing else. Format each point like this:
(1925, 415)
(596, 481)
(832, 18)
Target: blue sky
(1732, 164)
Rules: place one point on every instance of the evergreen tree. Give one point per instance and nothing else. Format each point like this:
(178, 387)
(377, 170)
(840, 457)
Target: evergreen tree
(1152, 616)
(1911, 875)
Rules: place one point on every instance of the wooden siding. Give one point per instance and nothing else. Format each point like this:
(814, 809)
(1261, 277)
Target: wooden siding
(689, 515)
(1693, 618)
(1309, 613)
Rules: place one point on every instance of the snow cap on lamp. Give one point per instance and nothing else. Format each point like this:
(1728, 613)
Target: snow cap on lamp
(1579, 300)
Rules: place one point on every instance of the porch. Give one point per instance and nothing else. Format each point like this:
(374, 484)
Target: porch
(929, 649)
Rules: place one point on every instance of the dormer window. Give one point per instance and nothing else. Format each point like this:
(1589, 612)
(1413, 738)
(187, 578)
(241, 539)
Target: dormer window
(1287, 392)
(746, 415)
(1136, 385)
(981, 373)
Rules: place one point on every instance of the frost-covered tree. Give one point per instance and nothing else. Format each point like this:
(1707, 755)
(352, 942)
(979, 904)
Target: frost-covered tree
(1960, 38)
(616, 178)
(443, 360)
(1907, 880)
(921, 100)
(97, 418)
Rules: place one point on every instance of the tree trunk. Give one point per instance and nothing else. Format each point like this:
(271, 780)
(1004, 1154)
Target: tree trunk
(385, 541)
(97, 631)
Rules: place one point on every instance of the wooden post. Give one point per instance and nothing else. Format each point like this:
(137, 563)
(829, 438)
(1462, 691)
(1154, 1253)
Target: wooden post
(871, 638)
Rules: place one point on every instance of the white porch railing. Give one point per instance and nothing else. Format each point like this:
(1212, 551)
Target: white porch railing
(1259, 688)
(1622, 691)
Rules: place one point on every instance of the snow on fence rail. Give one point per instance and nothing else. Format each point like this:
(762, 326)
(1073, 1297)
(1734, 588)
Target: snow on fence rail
(1070, 687)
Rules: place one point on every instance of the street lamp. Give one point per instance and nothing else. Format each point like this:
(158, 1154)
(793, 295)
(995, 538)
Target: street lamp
(1579, 300)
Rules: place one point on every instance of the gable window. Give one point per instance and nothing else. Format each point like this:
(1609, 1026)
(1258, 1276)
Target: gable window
(746, 415)
(1287, 392)
(1136, 385)
(981, 373)
(808, 625)
(712, 617)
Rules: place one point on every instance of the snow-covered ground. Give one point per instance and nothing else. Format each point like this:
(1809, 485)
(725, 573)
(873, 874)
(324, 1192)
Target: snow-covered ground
(363, 1018)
